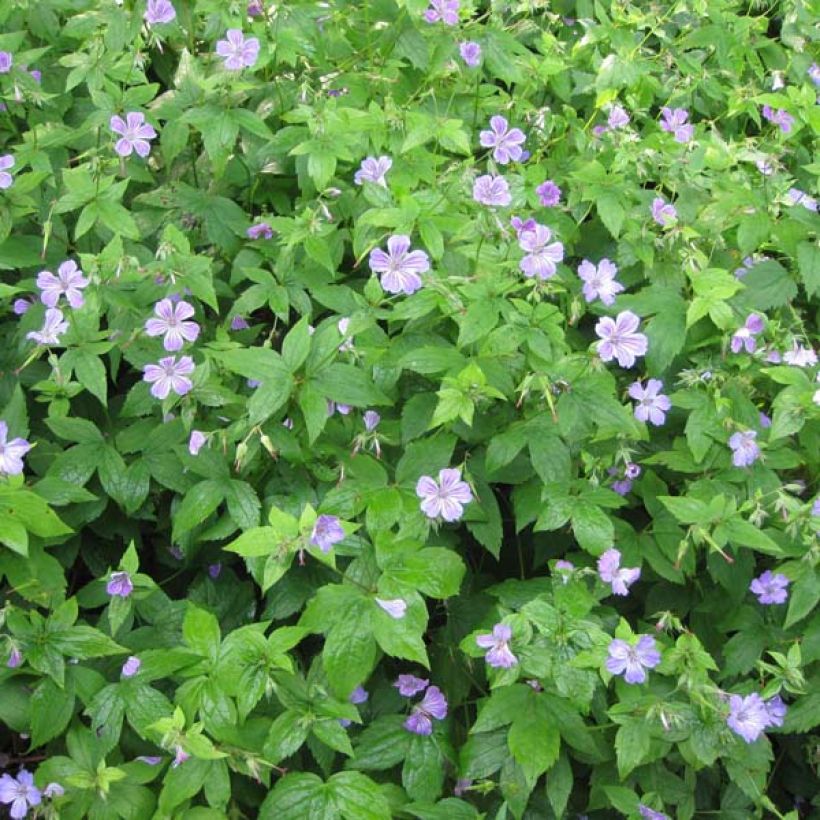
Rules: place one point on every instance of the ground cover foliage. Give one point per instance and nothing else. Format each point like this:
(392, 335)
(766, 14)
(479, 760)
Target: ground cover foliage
(408, 409)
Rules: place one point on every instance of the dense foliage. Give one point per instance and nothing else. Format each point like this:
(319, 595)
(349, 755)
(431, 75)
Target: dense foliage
(409, 409)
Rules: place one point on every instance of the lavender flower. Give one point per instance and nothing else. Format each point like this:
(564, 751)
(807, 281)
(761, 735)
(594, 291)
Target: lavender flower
(780, 118)
(15, 658)
(134, 134)
(433, 705)
(765, 167)
(522, 225)
(237, 52)
(675, 122)
(775, 710)
(445, 11)
(611, 572)
(794, 196)
(549, 194)
(261, 230)
(632, 661)
(373, 170)
(745, 336)
(6, 179)
(169, 375)
(744, 449)
(150, 760)
(11, 452)
(119, 585)
(541, 258)
(599, 282)
(651, 814)
(170, 322)
(446, 498)
(499, 654)
(622, 486)
(371, 420)
(663, 212)
(21, 306)
(69, 281)
(327, 531)
(6, 61)
(470, 53)
(409, 685)
(239, 323)
(770, 588)
(214, 570)
(394, 607)
(342, 326)
(53, 790)
(462, 785)
(53, 327)
(358, 696)
(505, 141)
(652, 405)
(764, 420)
(131, 667)
(196, 441)
(618, 118)
(620, 339)
(399, 267)
(159, 11)
(632, 470)
(747, 716)
(19, 793)
(565, 569)
(800, 356)
(492, 190)
(814, 73)
(180, 756)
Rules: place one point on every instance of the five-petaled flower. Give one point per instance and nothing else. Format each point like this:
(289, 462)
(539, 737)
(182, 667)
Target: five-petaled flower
(433, 705)
(327, 531)
(400, 268)
(69, 281)
(800, 356)
(171, 323)
(373, 170)
(6, 62)
(445, 11)
(237, 51)
(620, 338)
(170, 374)
(119, 585)
(599, 281)
(611, 572)
(663, 212)
(54, 325)
(794, 196)
(159, 11)
(409, 685)
(780, 118)
(499, 654)
(470, 53)
(492, 190)
(541, 256)
(261, 230)
(505, 141)
(745, 336)
(549, 194)
(674, 120)
(134, 134)
(744, 448)
(632, 661)
(652, 405)
(131, 666)
(446, 498)
(11, 452)
(19, 793)
(748, 716)
(6, 179)
(770, 588)
(618, 118)
(196, 442)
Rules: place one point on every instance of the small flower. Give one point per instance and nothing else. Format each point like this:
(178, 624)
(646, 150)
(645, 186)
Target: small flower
(765, 167)
(150, 760)
(170, 322)
(444, 10)
(622, 486)
(237, 52)
(800, 356)
(492, 191)
(180, 756)
(777, 80)
(549, 194)
(675, 122)
(214, 570)
(814, 73)
(371, 420)
(53, 790)
(342, 325)
(159, 11)
(775, 710)
(611, 572)
(632, 661)
(196, 441)
(564, 569)
(505, 141)
(119, 585)
(131, 667)
(599, 282)
(663, 212)
(15, 658)
(522, 225)
(394, 607)
(541, 258)
(620, 338)
(400, 268)
(327, 531)
(69, 281)
(747, 716)
(53, 327)
(19, 793)
(632, 470)
(765, 421)
(770, 588)
(794, 196)
(470, 53)
(21, 306)
(780, 118)
(462, 785)
(745, 336)
(744, 448)
(11, 452)
(433, 705)
(239, 323)
(651, 814)
(446, 498)
(618, 118)
(499, 654)
(134, 134)
(373, 170)
(170, 374)
(6, 179)
(261, 230)
(652, 405)
(409, 685)
(6, 61)
(358, 696)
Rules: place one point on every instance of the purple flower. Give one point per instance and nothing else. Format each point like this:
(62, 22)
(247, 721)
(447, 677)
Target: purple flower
(505, 141)
(775, 710)
(11, 452)
(327, 531)
(119, 585)
(675, 122)
(239, 323)
(744, 448)
(599, 282)
(622, 486)
(780, 118)
(794, 196)
(332, 407)
(6, 61)
(618, 118)
(462, 785)
(214, 570)
(499, 654)
(196, 441)
(433, 705)
(373, 170)
(564, 568)
(632, 661)
(770, 588)
(15, 658)
(764, 420)
(651, 814)
(652, 405)
(53, 327)
(159, 11)
(611, 572)
(170, 374)
(131, 667)
(180, 756)
(255, 8)
(446, 498)
(409, 685)
(21, 306)
(800, 356)
(394, 607)
(371, 420)
(747, 716)
(814, 73)
(632, 470)
(663, 212)
(6, 179)
(541, 258)
(470, 53)
(399, 267)
(238, 52)
(19, 793)
(492, 190)
(358, 695)
(69, 281)
(150, 760)
(522, 225)
(134, 134)
(261, 230)
(171, 323)
(745, 337)
(53, 790)
(599, 130)
(549, 194)
(765, 167)
(620, 339)
(444, 10)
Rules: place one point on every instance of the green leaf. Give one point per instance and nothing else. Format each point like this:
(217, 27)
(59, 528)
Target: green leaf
(298, 796)
(611, 212)
(803, 598)
(559, 785)
(358, 797)
(592, 527)
(808, 263)
(632, 743)
(51, 711)
(747, 534)
(199, 502)
(348, 384)
(435, 571)
(200, 630)
(423, 772)
(382, 744)
(534, 739)
(287, 734)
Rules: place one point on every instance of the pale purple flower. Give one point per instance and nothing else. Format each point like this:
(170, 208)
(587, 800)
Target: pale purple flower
(253, 384)
(499, 654)
(620, 338)
(462, 785)
(651, 814)
(19, 793)
(770, 588)
(358, 695)
(445, 11)
(800, 356)
(11, 452)
(214, 570)
(599, 130)
(69, 281)
(373, 170)
(675, 122)
(663, 212)
(744, 449)
(6, 61)
(371, 420)
(505, 141)
(599, 281)
(327, 531)
(781, 118)
(747, 716)
(261, 230)
(549, 194)
(134, 134)
(6, 179)
(622, 486)
(522, 225)
(611, 572)
(53, 327)
(180, 756)
(470, 53)
(343, 409)
(342, 326)
(131, 667)
(652, 405)
(748, 263)
(445, 498)
(53, 790)
(255, 8)
(564, 568)
(119, 585)
(409, 685)
(21, 306)
(765, 167)
(169, 374)
(632, 470)
(400, 268)
(171, 323)
(814, 73)
(764, 420)
(542, 256)
(618, 118)
(196, 441)
(15, 658)
(745, 336)
(632, 661)
(794, 196)
(237, 52)
(775, 710)
(394, 607)
(239, 323)
(159, 11)
(492, 190)
(150, 760)
(433, 705)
